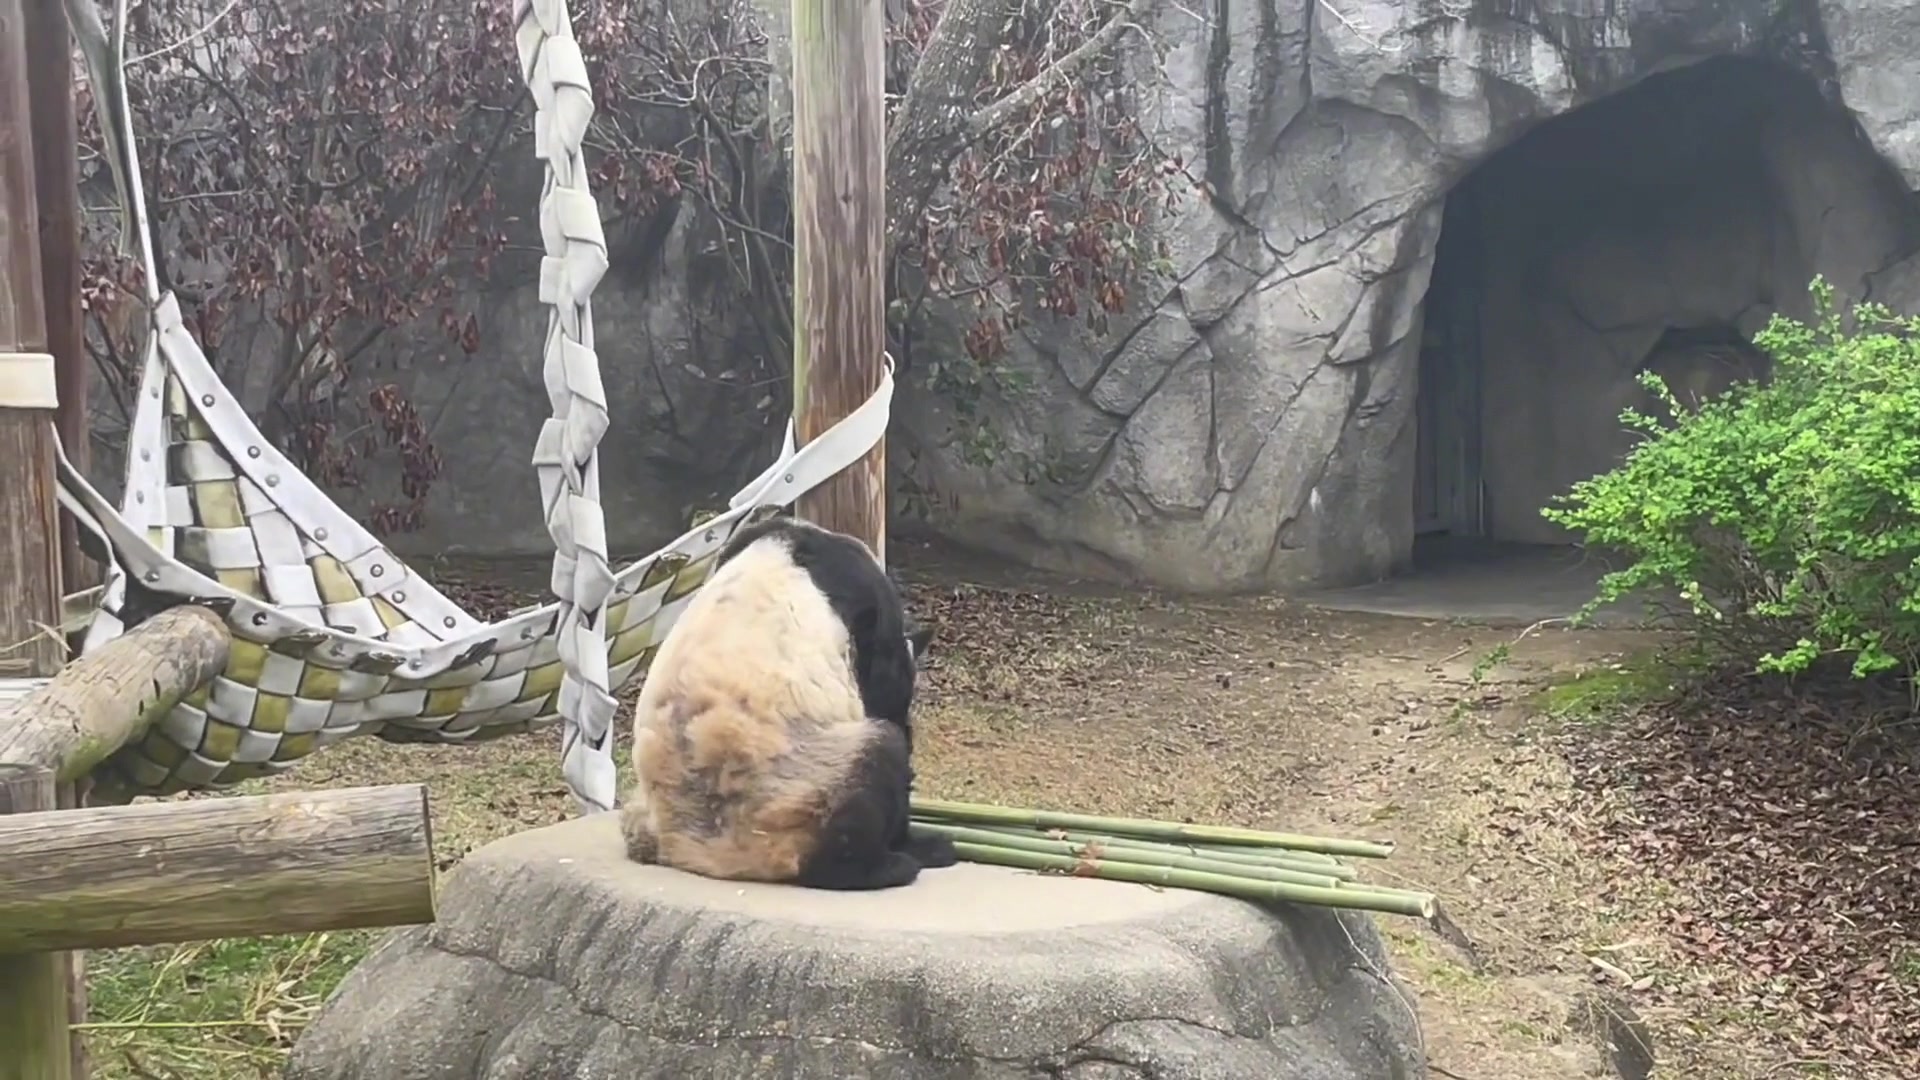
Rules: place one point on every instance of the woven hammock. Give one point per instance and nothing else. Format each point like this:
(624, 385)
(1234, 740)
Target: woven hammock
(333, 635)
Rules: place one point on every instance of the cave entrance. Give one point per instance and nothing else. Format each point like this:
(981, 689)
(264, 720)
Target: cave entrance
(1655, 229)
(1447, 487)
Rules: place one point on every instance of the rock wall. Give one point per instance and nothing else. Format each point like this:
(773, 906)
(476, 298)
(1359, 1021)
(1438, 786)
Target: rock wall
(694, 414)
(1252, 424)
(1254, 428)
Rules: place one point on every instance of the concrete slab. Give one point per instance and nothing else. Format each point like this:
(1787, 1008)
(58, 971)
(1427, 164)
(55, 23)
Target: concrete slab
(1492, 583)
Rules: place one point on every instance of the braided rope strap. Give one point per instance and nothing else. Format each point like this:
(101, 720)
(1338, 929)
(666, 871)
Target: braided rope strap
(566, 455)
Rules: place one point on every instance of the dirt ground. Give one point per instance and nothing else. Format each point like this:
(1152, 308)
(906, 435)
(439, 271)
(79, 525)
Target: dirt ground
(1444, 738)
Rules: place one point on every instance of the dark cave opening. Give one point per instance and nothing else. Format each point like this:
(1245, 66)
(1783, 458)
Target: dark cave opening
(1655, 229)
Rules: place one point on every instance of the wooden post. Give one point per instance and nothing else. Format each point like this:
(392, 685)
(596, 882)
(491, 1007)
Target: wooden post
(56, 178)
(33, 987)
(839, 247)
(56, 181)
(29, 522)
(34, 995)
(169, 872)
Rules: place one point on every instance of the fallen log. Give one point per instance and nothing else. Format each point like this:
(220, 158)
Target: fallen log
(105, 699)
(169, 872)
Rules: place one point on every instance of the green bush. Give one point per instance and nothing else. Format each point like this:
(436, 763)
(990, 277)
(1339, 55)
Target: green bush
(1786, 514)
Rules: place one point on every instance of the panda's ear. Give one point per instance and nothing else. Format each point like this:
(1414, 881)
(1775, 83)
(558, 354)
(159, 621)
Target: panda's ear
(919, 639)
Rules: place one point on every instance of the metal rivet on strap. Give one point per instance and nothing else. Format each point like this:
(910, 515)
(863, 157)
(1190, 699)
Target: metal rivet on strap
(789, 478)
(273, 479)
(447, 622)
(152, 575)
(378, 570)
(206, 399)
(320, 533)
(399, 598)
(253, 451)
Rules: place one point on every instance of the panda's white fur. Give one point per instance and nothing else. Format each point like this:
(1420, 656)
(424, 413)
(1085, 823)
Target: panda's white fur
(772, 737)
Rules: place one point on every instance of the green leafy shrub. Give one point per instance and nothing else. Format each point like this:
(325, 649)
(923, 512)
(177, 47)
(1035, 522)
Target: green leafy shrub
(1787, 514)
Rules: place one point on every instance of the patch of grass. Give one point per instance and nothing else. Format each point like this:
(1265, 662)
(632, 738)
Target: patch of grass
(1601, 694)
(1906, 966)
(228, 1008)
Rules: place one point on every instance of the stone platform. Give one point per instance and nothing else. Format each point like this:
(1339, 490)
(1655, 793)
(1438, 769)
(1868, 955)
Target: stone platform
(555, 957)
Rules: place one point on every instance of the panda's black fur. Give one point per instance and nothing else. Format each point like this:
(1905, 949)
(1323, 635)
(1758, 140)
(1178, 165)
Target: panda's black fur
(773, 736)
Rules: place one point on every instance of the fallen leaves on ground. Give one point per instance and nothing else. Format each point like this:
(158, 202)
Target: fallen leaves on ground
(1794, 844)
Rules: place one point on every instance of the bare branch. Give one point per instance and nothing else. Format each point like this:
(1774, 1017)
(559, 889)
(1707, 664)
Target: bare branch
(1029, 94)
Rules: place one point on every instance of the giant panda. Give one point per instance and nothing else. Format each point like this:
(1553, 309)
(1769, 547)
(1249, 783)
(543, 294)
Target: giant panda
(772, 736)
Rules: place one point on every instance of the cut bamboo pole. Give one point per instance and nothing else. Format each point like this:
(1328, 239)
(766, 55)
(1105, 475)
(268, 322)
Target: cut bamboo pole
(1419, 905)
(1144, 828)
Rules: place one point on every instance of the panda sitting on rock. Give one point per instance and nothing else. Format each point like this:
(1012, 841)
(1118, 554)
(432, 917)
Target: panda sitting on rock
(772, 739)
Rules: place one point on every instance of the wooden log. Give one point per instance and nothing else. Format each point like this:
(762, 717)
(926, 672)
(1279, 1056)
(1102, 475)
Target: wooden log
(99, 702)
(79, 1005)
(33, 987)
(191, 870)
(839, 247)
(56, 182)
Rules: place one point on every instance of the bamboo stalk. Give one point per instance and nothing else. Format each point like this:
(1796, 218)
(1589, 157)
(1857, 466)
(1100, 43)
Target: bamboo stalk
(1157, 853)
(1419, 905)
(976, 813)
(1140, 855)
(1303, 862)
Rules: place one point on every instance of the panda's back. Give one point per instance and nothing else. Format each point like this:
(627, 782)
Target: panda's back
(761, 633)
(748, 720)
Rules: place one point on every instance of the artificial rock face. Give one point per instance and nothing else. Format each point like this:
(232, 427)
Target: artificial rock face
(554, 956)
(1252, 424)
(1387, 180)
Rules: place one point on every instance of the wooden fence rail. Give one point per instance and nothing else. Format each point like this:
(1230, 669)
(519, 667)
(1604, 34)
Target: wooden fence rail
(169, 872)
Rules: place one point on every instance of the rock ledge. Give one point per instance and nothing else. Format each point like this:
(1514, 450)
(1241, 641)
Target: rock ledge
(555, 957)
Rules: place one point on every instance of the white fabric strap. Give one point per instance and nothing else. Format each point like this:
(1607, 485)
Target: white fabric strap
(566, 454)
(798, 471)
(27, 381)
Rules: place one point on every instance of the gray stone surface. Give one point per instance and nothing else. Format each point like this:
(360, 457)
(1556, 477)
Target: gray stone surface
(555, 957)
(1253, 423)
(1258, 430)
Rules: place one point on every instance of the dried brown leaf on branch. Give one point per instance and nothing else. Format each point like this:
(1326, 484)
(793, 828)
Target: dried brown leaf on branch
(327, 174)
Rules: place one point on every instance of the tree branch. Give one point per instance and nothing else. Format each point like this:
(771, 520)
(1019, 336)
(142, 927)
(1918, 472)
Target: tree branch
(934, 124)
(1029, 93)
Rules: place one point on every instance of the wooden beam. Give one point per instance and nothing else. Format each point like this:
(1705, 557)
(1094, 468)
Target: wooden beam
(56, 179)
(33, 987)
(30, 643)
(79, 1005)
(169, 872)
(839, 247)
(108, 697)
